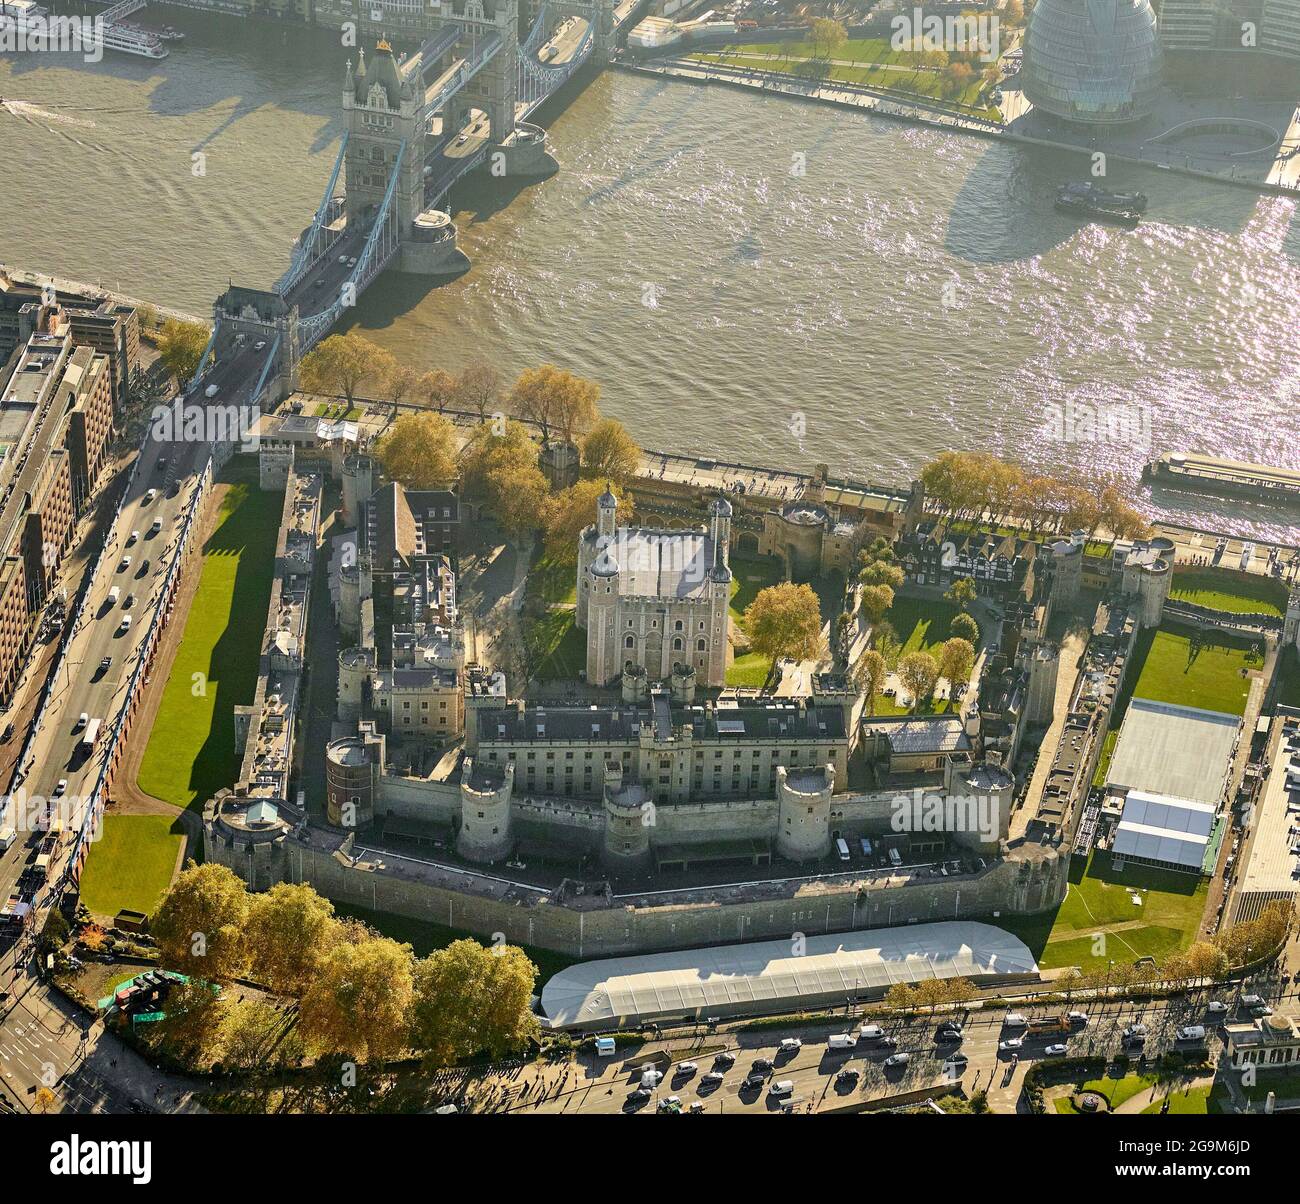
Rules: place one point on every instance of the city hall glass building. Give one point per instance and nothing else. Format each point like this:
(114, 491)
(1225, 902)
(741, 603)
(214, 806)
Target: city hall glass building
(1094, 62)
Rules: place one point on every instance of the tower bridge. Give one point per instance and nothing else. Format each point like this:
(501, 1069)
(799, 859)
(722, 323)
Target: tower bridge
(415, 125)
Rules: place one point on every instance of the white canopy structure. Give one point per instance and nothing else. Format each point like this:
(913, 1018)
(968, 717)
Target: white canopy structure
(1167, 831)
(769, 976)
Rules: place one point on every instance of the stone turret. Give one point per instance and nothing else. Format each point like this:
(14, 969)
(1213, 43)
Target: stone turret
(358, 485)
(485, 832)
(636, 683)
(803, 830)
(682, 683)
(355, 667)
(629, 818)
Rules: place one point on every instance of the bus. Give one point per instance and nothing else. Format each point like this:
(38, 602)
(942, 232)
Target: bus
(90, 736)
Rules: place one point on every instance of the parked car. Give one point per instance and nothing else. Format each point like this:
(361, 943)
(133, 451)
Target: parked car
(1012, 1043)
(791, 1045)
(849, 1074)
(685, 1069)
(1055, 1051)
(898, 1059)
(1077, 1017)
(1217, 1006)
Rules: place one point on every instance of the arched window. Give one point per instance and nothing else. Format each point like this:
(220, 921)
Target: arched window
(630, 642)
(679, 625)
(699, 645)
(677, 644)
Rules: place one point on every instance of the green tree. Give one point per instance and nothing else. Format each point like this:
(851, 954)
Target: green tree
(199, 925)
(290, 930)
(419, 450)
(181, 346)
(918, 671)
(956, 660)
(360, 1000)
(609, 453)
(962, 593)
(886, 642)
(875, 601)
(785, 621)
(869, 674)
(470, 1000)
(964, 627)
(882, 572)
(569, 512)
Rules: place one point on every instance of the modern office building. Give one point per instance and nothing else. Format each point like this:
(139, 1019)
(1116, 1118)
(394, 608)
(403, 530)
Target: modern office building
(1092, 62)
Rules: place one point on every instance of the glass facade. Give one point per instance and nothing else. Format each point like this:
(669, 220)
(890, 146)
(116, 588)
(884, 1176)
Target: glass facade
(1096, 62)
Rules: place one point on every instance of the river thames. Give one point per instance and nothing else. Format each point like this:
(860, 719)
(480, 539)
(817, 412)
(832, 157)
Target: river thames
(747, 277)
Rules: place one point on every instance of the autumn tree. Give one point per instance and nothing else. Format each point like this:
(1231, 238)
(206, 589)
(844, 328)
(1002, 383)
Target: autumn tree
(402, 382)
(199, 925)
(918, 671)
(419, 450)
(883, 572)
(785, 621)
(885, 640)
(869, 675)
(556, 401)
(251, 1034)
(290, 930)
(478, 390)
(181, 346)
(956, 660)
(342, 364)
(470, 1000)
(360, 999)
(434, 389)
(609, 453)
(567, 513)
(500, 469)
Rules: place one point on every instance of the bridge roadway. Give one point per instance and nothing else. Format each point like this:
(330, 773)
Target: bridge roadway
(82, 686)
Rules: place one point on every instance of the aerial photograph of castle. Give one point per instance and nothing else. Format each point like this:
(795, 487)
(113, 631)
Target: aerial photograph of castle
(642, 557)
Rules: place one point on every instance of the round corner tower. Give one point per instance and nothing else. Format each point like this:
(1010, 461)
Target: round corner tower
(629, 814)
(484, 833)
(803, 816)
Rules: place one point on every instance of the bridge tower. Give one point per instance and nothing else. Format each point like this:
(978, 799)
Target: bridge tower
(495, 89)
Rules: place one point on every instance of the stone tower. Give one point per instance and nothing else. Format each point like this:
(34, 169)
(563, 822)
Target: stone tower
(495, 89)
(803, 818)
(629, 817)
(485, 814)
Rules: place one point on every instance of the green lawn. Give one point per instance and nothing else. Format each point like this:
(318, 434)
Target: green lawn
(750, 669)
(339, 412)
(565, 646)
(923, 624)
(1236, 593)
(131, 864)
(191, 751)
(869, 61)
(1099, 902)
(553, 580)
(1195, 1101)
(748, 576)
(1210, 676)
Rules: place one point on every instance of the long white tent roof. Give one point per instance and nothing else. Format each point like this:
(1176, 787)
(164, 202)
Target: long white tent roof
(758, 975)
(1182, 752)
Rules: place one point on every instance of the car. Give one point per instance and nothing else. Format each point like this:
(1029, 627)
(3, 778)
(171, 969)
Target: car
(850, 1074)
(762, 1064)
(784, 1087)
(1135, 1031)
(1217, 1006)
(132, 538)
(60, 788)
(106, 664)
(1012, 1043)
(753, 1081)
(956, 1059)
(887, 1043)
(1262, 1010)
(1055, 1051)
(685, 1068)
(898, 1059)
(82, 720)
(126, 564)
(672, 1104)
(125, 625)
(725, 1058)
(948, 1035)
(1077, 1017)
(128, 602)
(695, 1106)
(638, 1096)
(144, 567)
(461, 139)
(149, 496)
(1014, 1020)
(343, 259)
(352, 262)
(260, 345)
(712, 1078)
(791, 1045)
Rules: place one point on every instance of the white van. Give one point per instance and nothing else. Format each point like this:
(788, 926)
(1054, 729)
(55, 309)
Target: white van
(7, 838)
(1193, 1032)
(871, 1032)
(841, 1041)
(842, 847)
(210, 392)
(784, 1087)
(1014, 1020)
(114, 594)
(126, 624)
